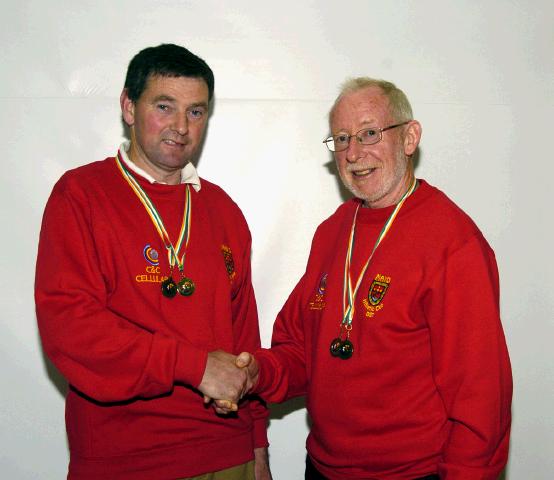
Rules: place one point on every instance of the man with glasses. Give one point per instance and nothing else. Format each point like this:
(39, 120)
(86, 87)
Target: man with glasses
(393, 332)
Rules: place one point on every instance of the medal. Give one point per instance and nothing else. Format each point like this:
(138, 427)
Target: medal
(336, 344)
(185, 287)
(346, 350)
(340, 348)
(169, 288)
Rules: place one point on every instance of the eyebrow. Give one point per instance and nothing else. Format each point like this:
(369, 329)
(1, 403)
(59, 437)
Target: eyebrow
(198, 104)
(370, 123)
(169, 98)
(365, 124)
(165, 98)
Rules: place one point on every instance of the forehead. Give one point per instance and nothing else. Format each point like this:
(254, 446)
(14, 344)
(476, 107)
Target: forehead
(180, 89)
(368, 106)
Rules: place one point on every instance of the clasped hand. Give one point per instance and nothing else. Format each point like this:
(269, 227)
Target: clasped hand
(227, 379)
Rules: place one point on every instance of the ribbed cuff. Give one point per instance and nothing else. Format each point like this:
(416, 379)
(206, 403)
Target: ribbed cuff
(260, 433)
(265, 377)
(190, 364)
(463, 472)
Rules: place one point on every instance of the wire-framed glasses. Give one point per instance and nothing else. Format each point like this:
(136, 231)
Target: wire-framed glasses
(366, 136)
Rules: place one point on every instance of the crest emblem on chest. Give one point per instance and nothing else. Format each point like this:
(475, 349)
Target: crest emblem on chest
(377, 290)
(229, 262)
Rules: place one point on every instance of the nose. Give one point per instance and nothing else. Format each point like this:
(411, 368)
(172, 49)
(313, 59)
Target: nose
(354, 150)
(180, 124)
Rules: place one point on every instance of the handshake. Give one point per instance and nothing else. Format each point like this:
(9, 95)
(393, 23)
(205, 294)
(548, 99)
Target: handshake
(228, 378)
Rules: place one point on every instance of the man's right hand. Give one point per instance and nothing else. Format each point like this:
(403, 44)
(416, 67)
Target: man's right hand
(223, 381)
(248, 364)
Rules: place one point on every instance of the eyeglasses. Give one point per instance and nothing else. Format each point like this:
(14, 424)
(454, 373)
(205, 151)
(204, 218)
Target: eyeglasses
(366, 136)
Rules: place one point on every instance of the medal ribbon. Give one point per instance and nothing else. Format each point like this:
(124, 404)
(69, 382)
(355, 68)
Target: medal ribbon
(349, 294)
(184, 234)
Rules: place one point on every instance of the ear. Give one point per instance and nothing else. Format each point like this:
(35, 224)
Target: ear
(127, 108)
(412, 137)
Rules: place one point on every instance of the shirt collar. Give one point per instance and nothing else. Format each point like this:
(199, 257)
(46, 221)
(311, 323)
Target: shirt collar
(188, 173)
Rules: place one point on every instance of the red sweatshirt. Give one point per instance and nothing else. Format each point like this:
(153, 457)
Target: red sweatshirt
(428, 388)
(133, 357)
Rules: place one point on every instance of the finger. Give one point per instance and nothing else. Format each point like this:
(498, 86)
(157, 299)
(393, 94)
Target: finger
(207, 399)
(243, 360)
(226, 405)
(222, 411)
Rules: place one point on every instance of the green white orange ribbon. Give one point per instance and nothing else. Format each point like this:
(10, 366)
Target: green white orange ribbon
(349, 294)
(184, 235)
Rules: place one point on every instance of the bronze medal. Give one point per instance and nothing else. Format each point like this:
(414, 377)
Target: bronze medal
(346, 350)
(335, 347)
(169, 288)
(186, 287)
(176, 253)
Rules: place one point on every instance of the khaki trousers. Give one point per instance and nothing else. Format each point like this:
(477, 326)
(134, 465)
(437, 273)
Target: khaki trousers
(240, 472)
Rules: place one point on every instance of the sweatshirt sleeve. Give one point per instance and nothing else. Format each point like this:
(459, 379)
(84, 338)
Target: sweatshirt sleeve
(470, 362)
(107, 357)
(247, 333)
(283, 367)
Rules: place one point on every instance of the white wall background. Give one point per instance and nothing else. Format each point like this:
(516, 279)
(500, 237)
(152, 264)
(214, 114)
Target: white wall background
(480, 75)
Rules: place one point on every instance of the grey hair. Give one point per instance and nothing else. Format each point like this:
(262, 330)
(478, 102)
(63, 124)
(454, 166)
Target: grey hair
(399, 105)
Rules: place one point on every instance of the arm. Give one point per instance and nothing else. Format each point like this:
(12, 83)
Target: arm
(279, 373)
(261, 464)
(470, 362)
(282, 369)
(102, 354)
(245, 324)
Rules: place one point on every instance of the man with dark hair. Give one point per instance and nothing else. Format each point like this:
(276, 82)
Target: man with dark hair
(143, 279)
(393, 333)
(165, 60)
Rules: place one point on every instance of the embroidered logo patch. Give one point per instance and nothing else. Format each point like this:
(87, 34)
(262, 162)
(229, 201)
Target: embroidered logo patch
(377, 290)
(152, 272)
(318, 300)
(229, 263)
(322, 284)
(151, 255)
